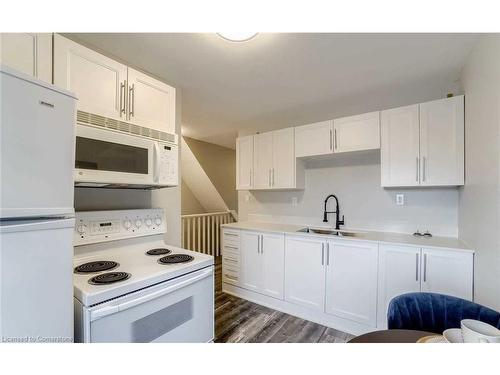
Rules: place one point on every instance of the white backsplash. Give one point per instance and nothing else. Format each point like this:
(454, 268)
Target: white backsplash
(355, 179)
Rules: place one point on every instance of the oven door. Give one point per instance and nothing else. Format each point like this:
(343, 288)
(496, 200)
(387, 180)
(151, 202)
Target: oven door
(179, 310)
(105, 157)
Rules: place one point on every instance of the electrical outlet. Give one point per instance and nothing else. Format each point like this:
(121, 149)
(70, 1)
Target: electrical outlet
(247, 197)
(294, 201)
(400, 199)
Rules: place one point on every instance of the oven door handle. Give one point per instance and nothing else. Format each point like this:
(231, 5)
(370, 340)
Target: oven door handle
(108, 310)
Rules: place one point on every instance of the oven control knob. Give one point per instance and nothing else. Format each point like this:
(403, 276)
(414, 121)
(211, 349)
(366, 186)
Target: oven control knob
(148, 222)
(138, 223)
(127, 224)
(81, 228)
(158, 221)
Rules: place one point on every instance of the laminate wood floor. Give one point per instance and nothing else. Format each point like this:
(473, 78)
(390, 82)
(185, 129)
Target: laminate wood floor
(238, 320)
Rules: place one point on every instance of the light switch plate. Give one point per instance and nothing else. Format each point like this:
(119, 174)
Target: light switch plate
(400, 199)
(294, 201)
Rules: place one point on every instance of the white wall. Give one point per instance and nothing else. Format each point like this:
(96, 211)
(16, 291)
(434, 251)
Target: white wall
(479, 200)
(117, 199)
(355, 179)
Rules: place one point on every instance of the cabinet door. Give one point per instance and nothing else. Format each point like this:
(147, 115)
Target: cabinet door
(399, 273)
(356, 133)
(251, 261)
(305, 272)
(263, 160)
(314, 139)
(399, 151)
(29, 53)
(273, 264)
(447, 272)
(98, 81)
(244, 163)
(442, 142)
(151, 103)
(283, 172)
(351, 281)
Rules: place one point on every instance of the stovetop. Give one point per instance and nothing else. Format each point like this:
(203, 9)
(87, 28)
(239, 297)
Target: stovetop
(135, 268)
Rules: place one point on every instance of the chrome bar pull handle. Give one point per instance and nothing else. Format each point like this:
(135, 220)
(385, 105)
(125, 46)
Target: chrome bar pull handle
(425, 268)
(122, 98)
(131, 96)
(418, 167)
(335, 135)
(416, 267)
(262, 244)
(323, 254)
(328, 253)
(331, 140)
(423, 169)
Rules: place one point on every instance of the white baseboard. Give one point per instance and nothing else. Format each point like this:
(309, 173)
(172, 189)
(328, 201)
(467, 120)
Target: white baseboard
(341, 324)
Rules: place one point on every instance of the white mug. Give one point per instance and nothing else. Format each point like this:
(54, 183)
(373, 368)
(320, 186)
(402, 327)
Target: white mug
(477, 331)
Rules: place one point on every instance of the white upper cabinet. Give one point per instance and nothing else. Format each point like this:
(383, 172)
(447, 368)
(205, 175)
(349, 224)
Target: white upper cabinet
(423, 144)
(108, 88)
(244, 163)
(263, 160)
(442, 142)
(351, 281)
(99, 82)
(356, 133)
(399, 273)
(284, 162)
(447, 272)
(274, 163)
(151, 103)
(305, 272)
(314, 139)
(29, 53)
(399, 152)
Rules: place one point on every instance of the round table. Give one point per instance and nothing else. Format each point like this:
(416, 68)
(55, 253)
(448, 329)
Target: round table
(392, 336)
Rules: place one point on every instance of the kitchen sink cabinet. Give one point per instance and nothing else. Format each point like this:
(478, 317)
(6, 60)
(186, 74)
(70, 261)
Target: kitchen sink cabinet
(305, 272)
(351, 281)
(423, 144)
(29, 53)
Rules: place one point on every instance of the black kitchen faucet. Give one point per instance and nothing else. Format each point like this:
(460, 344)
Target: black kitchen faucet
(338, 222)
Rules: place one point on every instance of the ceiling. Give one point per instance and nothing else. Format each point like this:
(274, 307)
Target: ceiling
(279, 80)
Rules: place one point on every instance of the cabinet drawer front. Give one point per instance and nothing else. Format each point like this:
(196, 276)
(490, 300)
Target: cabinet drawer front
(231, 249)
(231, 238)
(231, 260)
(230, 275)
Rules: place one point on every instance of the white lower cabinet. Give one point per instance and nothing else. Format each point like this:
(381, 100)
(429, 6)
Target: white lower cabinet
(447, 272)
(351, 281)
(399, 272)
(406, 269)
(262, 259)
(344, 283)
(305, 272)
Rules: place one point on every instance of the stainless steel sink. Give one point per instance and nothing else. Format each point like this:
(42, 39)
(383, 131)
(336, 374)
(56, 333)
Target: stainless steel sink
(329, 232)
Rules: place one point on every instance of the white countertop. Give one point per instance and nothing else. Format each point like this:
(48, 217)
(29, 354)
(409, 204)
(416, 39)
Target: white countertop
(361, 235)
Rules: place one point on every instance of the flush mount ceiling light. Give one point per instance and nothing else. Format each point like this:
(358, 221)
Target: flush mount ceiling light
(238, 36)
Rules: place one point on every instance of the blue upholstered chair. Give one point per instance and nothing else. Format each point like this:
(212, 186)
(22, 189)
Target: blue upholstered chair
(435, 312)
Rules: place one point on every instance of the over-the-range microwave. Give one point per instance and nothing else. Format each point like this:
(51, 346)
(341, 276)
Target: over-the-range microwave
(115, 159)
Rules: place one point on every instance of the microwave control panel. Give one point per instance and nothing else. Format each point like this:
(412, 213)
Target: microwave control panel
(168, 165)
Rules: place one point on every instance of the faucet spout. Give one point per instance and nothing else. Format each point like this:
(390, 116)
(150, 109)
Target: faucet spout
(338, 222)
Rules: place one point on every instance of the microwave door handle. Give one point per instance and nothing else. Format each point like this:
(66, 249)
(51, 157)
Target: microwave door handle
(156, 168)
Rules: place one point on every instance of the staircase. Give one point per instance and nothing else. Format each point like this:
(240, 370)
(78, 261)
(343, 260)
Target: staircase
(201, 230)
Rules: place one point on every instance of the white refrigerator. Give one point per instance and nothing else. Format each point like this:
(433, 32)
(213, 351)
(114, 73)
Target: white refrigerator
(37, 146)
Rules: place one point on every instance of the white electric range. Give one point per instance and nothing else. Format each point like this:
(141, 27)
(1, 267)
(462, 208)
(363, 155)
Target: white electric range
(129, 286)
